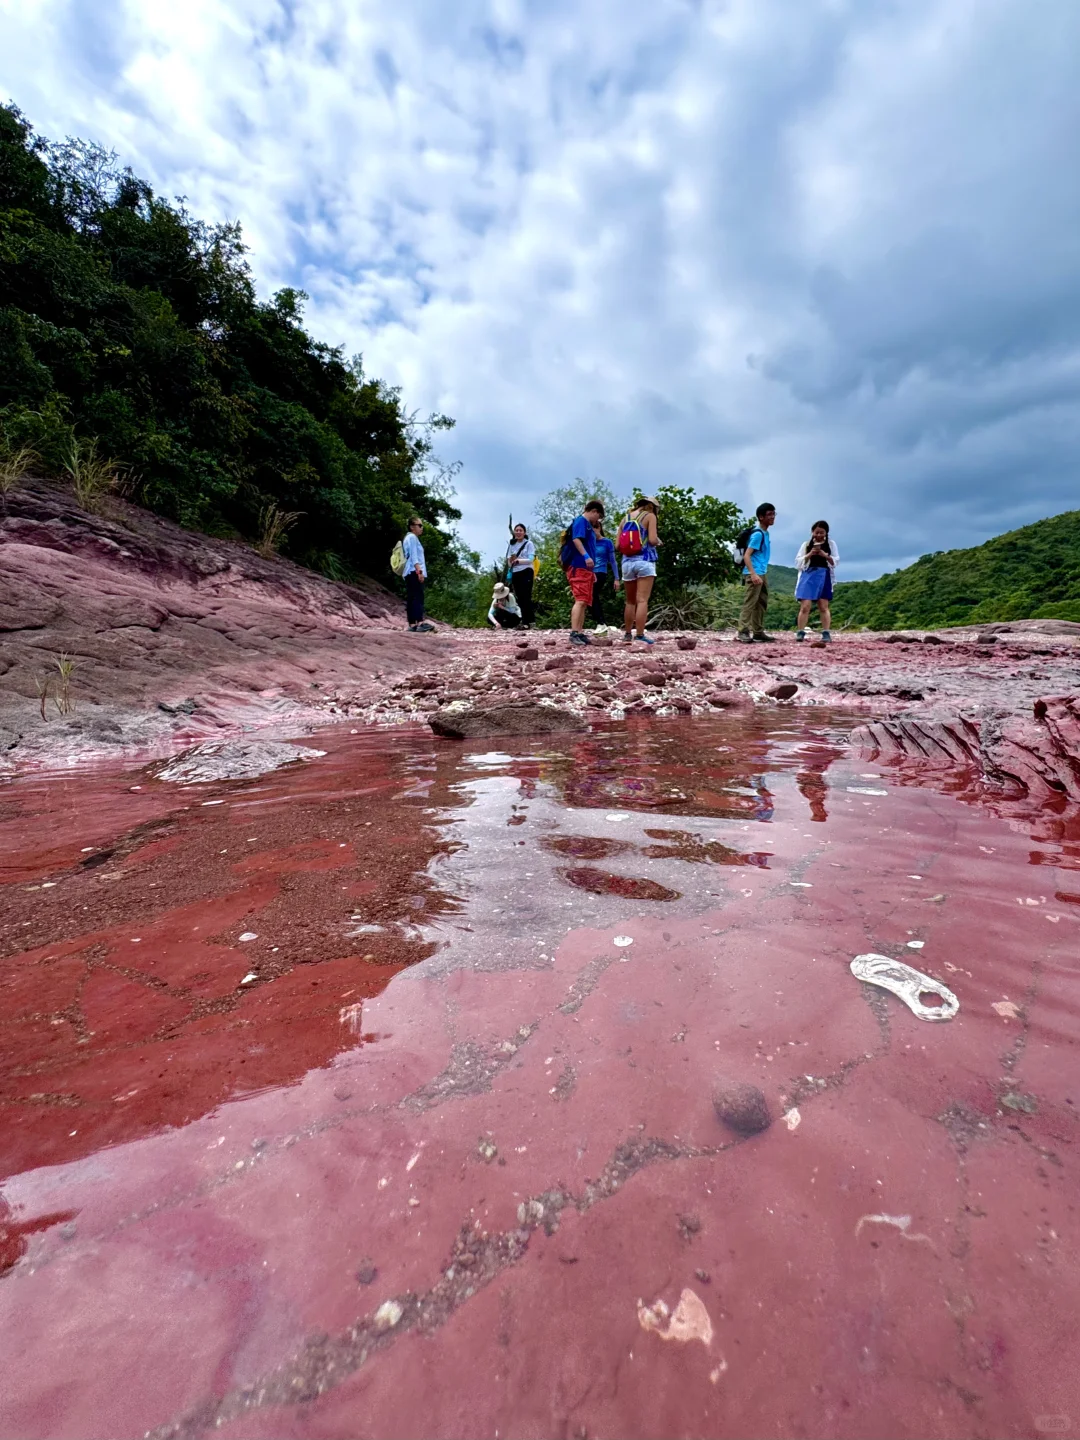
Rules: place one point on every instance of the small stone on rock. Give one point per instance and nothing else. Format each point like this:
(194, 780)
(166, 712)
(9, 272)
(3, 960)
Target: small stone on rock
(742, 1108)
(367, 1273)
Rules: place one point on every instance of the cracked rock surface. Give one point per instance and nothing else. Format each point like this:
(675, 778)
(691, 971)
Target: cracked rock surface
(335, 1104)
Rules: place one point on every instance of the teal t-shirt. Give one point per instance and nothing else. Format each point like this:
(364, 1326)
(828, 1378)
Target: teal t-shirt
(758, 550)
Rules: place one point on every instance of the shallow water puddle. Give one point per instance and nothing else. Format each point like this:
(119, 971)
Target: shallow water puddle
(421, 1039)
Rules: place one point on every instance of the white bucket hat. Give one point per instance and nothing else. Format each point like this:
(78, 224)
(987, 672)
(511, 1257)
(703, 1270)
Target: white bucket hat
(500, 591)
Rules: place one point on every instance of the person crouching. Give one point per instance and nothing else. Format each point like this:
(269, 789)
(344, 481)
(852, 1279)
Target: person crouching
(504, 612)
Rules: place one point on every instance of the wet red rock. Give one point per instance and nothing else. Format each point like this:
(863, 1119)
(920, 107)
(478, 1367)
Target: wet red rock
(517, 1133)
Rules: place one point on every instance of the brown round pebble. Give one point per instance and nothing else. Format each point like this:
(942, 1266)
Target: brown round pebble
(742, 1108)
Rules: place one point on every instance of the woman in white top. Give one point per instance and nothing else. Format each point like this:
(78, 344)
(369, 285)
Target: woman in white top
(520, 571)
(816, 564)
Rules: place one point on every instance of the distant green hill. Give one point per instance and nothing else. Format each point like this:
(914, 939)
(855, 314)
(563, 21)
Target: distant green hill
(782, 579)
(1032, 573)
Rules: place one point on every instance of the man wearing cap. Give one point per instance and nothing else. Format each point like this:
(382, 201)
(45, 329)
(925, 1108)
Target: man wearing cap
(504, 613)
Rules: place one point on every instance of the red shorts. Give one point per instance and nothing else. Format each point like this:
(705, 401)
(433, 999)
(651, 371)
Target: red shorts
(581, 584)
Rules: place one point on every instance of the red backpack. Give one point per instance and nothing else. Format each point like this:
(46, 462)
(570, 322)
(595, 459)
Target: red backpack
(631, 539)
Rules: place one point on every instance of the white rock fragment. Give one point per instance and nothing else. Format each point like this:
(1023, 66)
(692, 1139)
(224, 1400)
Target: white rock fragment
(901, 1223)
(388, 1315)
(1007, 1009)
(689, 1322)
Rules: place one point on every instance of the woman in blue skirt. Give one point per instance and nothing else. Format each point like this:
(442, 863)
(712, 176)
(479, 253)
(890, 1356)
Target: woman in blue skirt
(816, 564)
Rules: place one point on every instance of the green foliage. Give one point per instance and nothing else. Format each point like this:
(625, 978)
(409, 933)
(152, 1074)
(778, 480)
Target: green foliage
(130, 329)
(696, 534)
(462, 596)
(1032, 573)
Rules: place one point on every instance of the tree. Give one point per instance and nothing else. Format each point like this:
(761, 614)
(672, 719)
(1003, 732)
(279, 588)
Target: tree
(696, 531)
(131, 328)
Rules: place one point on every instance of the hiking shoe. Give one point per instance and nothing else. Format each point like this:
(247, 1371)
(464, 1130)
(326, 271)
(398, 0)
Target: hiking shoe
(645, 639)
(628, 635)
(425, 627)
(826, 635)
(578, 637)
(800, 634)
(764, 639)
(742, 639)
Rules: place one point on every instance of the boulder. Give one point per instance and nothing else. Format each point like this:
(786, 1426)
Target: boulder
(685, 642)
(559, 662)
(526, 718)
(527, 652)
(784, 691)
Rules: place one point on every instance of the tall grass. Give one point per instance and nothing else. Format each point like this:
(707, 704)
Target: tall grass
(91, 476)
(15, 465)
(274, 525)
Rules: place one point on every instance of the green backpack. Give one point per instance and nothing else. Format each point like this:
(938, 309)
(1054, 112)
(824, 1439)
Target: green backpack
(397, 559)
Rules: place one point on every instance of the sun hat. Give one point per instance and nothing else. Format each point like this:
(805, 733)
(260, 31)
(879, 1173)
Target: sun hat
(647, 500)
(500, 591)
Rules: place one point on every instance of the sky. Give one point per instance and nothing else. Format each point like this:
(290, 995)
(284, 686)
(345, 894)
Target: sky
(818, 252)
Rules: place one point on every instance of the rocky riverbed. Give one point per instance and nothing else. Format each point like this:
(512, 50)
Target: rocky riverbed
(175, 638)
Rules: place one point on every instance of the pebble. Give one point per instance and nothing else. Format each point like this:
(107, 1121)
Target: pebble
(741, 1107)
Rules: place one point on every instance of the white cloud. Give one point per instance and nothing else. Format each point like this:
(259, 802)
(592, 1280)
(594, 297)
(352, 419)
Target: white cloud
(829, 249)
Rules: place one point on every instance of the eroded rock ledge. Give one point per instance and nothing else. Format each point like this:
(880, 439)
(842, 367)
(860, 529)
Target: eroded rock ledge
(1036, 754)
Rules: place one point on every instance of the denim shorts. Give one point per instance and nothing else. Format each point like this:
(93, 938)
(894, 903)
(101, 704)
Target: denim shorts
(634, 568)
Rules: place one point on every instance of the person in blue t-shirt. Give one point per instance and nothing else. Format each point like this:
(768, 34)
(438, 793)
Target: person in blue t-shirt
(579, 559)
(605, 566)
(755, 578)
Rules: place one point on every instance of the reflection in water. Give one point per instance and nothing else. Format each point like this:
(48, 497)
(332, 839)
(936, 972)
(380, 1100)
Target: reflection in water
(129, 1002)
(629, 887)
(585, 847)
(682, 845)
(816, 759)
(15, 1233)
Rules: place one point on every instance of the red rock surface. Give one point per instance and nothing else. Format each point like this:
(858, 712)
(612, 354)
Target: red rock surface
(174, 635)
(177, 637)
(493, 1197)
